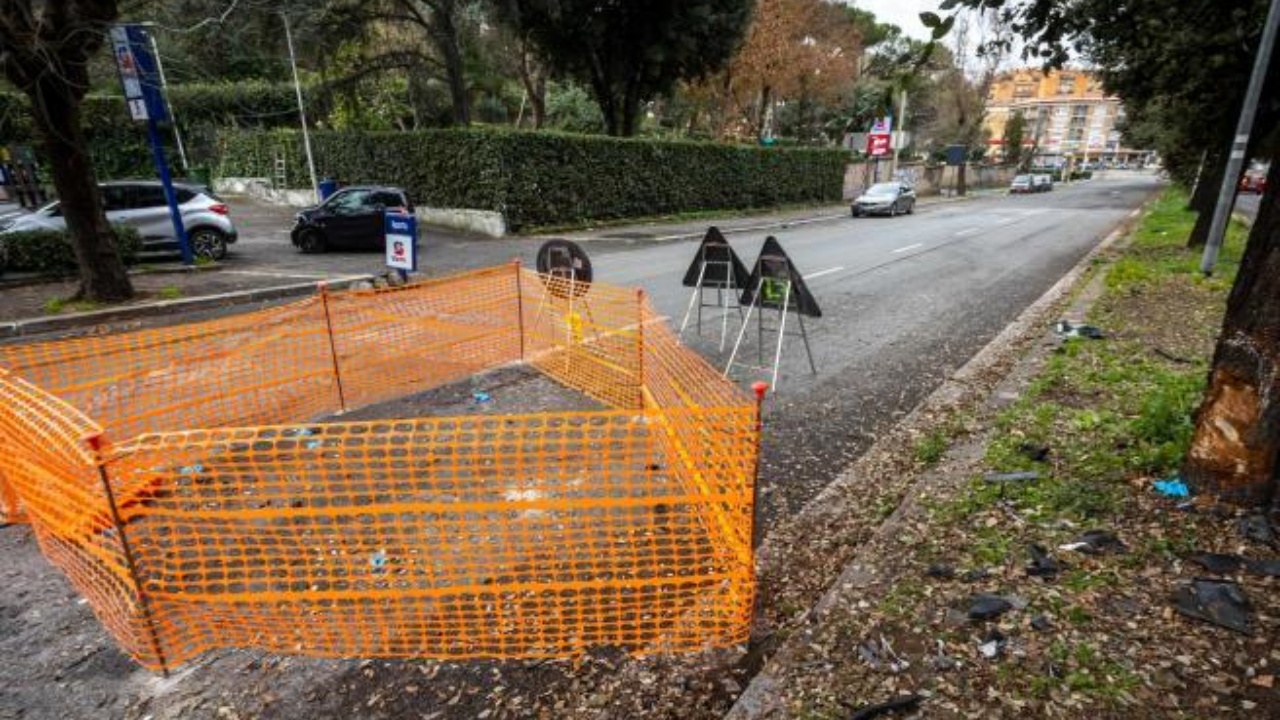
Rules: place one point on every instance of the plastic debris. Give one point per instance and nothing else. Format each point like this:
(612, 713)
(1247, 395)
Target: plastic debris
(1066, 329)
(1096, 542)
(906, 702)
(1219, 602)
(976, 575)
(313, 444)
(942, 572)
(379, 561)
(1258, 529)
(1041, 623)
(481, 397)
(1173, 487)
(985, 606)
(1218, 563)
(1042, 563)
(191, 469)
(879, 654)
(1011, 477)
(1269, 568)
(993, 644)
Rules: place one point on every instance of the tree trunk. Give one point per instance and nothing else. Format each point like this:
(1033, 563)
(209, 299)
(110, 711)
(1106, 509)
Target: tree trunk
(962, 187)
(56, 111)
(445, 35)
(534, 79)
(1235, 450)
(1205, 198)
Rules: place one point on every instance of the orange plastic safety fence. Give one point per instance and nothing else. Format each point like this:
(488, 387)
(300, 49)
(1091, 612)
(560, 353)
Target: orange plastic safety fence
(516, 536)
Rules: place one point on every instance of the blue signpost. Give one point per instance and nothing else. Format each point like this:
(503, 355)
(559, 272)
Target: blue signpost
(144, 95)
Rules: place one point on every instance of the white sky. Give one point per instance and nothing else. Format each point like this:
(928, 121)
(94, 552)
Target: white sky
(903, 13)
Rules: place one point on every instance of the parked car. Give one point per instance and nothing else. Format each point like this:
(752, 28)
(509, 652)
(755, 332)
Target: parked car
(141, 204)
(350, 219)
(1253, 182)
(888, 198)
(1021, 184)
(1041, 183)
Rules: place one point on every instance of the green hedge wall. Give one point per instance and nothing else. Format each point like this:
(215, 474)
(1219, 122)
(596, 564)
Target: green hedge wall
(545, 178)
(49, 252)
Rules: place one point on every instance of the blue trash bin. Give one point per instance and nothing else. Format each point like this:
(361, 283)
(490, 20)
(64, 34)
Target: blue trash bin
(328, 186)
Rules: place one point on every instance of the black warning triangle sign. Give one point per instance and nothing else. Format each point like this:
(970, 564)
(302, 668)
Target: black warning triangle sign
(718, 256)
(771, 273)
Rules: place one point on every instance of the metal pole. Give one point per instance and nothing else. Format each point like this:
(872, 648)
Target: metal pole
(519, 305)
(164, 90)
(902, 129)
(1235, 161)
(302, 112)
(96, 443)
(170, 197)
(333, 349)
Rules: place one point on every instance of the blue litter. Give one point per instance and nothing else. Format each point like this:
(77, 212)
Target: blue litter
(313, 444)
(1174, 488)
(379, 561)
(191, 470)
(481, 397)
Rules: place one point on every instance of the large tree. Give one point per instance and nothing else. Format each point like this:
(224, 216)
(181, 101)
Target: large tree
(1191, 62)
(629, 52)
(45, 50)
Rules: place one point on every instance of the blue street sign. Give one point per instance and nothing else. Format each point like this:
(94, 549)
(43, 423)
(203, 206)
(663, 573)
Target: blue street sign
(140, 78)
(401, 231)
(131, 48)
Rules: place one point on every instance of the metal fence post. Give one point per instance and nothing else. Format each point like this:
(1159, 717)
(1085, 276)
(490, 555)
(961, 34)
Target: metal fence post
(333, 350)
(640, 348)
(96, 443)
(519, 305)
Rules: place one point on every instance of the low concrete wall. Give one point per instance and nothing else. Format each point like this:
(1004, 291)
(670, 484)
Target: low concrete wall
(927, 179)
(480, 222)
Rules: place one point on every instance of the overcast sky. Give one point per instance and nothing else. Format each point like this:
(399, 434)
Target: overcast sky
(903, 13)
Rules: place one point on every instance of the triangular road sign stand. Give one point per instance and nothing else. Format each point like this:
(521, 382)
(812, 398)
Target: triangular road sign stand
(718, 268)
(775, 285)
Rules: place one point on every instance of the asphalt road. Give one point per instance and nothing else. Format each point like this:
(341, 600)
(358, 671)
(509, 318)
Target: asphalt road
(905, 301)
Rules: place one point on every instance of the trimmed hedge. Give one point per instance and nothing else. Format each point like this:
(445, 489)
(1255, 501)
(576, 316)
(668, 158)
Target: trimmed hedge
(547, 178)
(49, 252)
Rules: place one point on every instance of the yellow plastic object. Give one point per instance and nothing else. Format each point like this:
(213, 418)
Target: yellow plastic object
(223, 515)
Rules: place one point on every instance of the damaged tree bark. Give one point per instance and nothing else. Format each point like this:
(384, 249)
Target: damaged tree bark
(1235, 451)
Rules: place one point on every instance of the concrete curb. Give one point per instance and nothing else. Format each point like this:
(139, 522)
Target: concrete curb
(761, 698)
(56, 323)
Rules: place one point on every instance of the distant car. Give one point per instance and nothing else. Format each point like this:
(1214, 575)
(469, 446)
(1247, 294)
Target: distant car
(141, 204)
(1041, 183)
(888, 198)
(1021, 184)
(1253, 182)
(351, 219)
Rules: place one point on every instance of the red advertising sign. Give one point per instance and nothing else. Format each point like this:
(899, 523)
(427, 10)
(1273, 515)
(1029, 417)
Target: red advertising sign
(878, 145)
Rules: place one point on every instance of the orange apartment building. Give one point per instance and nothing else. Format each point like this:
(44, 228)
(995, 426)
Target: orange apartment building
(1068, 117)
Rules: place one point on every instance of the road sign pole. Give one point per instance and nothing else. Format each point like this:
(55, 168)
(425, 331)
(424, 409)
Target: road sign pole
(170, 197)
(1240, 144)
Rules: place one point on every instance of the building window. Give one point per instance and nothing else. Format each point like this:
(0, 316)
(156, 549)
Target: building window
(1066, 84)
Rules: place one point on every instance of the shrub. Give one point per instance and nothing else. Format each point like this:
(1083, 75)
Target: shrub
(48, 252)
(548, 178)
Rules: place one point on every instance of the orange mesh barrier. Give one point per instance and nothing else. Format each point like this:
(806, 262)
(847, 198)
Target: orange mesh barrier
(536, 535)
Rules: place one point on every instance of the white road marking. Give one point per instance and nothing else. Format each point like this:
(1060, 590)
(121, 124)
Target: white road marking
(968, 231)
(820, 273)
(909, 247)
(290, 274)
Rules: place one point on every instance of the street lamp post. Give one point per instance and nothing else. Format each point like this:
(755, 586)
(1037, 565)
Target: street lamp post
(302, 110)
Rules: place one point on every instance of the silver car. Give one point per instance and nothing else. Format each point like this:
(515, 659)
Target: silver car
(888, 198)
(140, 204)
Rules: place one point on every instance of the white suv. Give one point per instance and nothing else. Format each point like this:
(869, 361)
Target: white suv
(140, 204)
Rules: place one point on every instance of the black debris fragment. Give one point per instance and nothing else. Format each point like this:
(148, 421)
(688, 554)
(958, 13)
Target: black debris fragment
(1096, 542)
(1268, 568)
(940, 571)
(985, 606)
(1218, 563)
(1042, 563)
(1041, 623)
(1011, 477)
(1257, 529)
(1219, 602)
(906, 702)
(1034, 452)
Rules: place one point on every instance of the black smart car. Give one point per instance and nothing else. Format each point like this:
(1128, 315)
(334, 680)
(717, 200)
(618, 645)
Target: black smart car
(351, 219)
